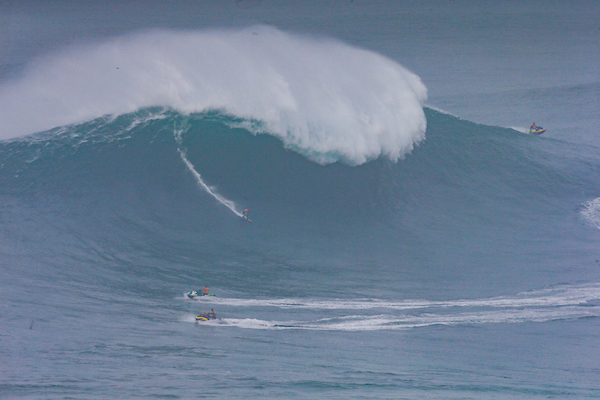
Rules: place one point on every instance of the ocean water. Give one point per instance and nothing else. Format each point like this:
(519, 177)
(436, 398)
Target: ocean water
(408, 239)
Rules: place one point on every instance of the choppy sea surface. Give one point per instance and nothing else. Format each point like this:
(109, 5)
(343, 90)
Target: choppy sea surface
(408, 238)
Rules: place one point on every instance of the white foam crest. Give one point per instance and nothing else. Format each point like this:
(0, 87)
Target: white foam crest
(143, 120)
(591, 212)
(324, 99)
(558, 297)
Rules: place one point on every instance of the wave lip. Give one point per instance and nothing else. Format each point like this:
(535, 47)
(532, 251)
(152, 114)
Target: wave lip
(325, 99)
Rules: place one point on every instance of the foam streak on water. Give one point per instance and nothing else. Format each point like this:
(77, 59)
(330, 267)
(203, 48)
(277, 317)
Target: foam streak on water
(558, 297)
(591, 212)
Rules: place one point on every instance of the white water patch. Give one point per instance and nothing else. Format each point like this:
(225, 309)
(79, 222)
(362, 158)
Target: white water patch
(591, 212)
(325, 99)
(552, 297)
(211, 191)
(145, 119)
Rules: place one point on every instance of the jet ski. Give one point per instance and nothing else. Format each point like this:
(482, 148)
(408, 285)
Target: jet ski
(206, 316)
(536, 130)
(197, 293)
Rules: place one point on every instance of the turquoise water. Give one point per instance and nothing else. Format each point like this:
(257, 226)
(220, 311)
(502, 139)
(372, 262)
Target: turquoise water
(395, 250)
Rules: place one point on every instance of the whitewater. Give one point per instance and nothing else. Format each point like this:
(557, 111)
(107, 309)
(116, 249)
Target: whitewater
(311, 93)
(408, 238)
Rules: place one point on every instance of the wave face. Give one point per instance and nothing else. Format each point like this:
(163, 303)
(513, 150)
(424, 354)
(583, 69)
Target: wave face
(451, 209)
(325, 99)
(482, 238)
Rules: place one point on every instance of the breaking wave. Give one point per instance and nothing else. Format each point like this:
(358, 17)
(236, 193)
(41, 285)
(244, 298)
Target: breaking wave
(324, 99)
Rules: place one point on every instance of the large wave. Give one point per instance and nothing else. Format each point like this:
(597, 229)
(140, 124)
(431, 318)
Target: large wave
(325, 99)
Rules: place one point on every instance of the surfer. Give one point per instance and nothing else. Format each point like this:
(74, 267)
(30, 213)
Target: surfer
(245, 214)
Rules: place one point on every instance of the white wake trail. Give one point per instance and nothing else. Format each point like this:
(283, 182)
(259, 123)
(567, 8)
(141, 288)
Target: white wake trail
(564, 302)
(402, 322)
(183, 154)
(553, 297)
